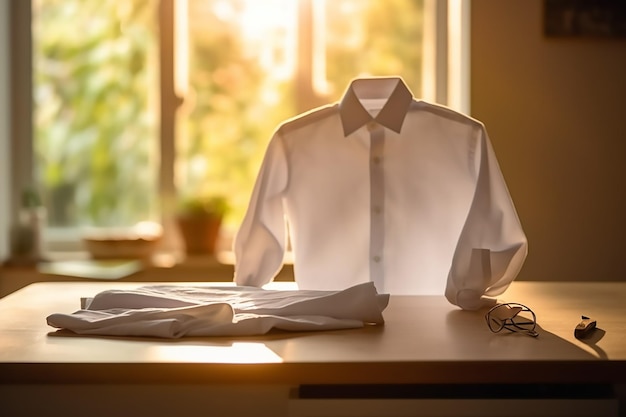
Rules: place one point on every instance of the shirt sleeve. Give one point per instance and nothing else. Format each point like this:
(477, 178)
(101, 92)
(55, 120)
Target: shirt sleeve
(492, 246)
(259, 245)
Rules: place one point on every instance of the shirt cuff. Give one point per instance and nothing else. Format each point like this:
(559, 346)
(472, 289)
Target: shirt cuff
(473, 300)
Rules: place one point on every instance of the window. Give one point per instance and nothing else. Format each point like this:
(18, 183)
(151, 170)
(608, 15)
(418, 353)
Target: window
(158, 99)
(94, 114)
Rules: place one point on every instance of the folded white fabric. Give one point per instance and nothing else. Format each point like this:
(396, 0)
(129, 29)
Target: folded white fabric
(173, 311)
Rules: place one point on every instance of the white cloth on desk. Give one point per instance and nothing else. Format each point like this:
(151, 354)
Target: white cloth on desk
(174, 311)
(383, 188)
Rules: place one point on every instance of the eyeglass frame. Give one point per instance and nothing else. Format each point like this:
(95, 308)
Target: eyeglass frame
(509, 323)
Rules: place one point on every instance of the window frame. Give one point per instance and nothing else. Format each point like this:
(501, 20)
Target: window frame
(5, 129)
(446, 81)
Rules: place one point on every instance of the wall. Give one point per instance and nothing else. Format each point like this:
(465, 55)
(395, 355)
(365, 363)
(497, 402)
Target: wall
(5, 128)
(555, 112)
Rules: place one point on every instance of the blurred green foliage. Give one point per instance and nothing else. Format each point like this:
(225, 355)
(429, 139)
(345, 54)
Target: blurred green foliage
(96, 98)
(94, 65)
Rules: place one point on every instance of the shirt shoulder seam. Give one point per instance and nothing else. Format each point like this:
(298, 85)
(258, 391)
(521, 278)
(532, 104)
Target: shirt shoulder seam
(307, 118)
(445, 112)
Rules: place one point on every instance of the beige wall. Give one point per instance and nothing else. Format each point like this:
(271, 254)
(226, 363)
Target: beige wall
(555, 110)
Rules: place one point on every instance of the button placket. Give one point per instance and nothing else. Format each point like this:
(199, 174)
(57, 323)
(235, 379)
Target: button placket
(377, 205)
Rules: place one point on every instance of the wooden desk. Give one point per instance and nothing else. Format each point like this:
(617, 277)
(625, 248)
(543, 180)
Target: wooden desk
(425, 341)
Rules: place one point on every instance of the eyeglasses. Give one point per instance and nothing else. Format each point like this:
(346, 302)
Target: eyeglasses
(512, 317)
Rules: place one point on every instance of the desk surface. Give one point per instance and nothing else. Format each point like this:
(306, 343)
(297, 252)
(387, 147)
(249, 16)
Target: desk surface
(424, 340)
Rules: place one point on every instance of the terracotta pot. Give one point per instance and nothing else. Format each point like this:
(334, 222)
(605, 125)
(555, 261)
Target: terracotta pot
(199, 233)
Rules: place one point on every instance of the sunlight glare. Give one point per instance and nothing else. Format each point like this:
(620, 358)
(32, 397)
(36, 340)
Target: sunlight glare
(270, 32)
(235, 353)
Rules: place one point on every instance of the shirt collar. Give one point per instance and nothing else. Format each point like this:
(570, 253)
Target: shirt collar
(354, 115)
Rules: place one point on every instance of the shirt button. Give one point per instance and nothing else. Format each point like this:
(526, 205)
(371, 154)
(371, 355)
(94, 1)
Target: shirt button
(377, 209)
(376, 160)
(371, 125)
(376, 258)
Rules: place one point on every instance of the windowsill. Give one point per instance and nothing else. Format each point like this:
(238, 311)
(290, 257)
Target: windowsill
(77, 266)
(164, 259)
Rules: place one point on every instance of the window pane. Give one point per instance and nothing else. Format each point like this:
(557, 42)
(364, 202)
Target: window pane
(95, 86)
(375, 38)
(241, 73)
(248, 71)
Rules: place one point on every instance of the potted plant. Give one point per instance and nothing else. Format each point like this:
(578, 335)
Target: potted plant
(199, 220)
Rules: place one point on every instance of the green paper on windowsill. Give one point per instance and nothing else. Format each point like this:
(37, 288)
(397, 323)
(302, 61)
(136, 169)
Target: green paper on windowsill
(92, 269)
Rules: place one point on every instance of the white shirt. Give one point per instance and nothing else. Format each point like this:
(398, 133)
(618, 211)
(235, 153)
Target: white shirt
(382, 187)
(180, 310)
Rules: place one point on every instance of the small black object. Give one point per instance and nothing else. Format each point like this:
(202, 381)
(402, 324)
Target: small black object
(584, 328)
